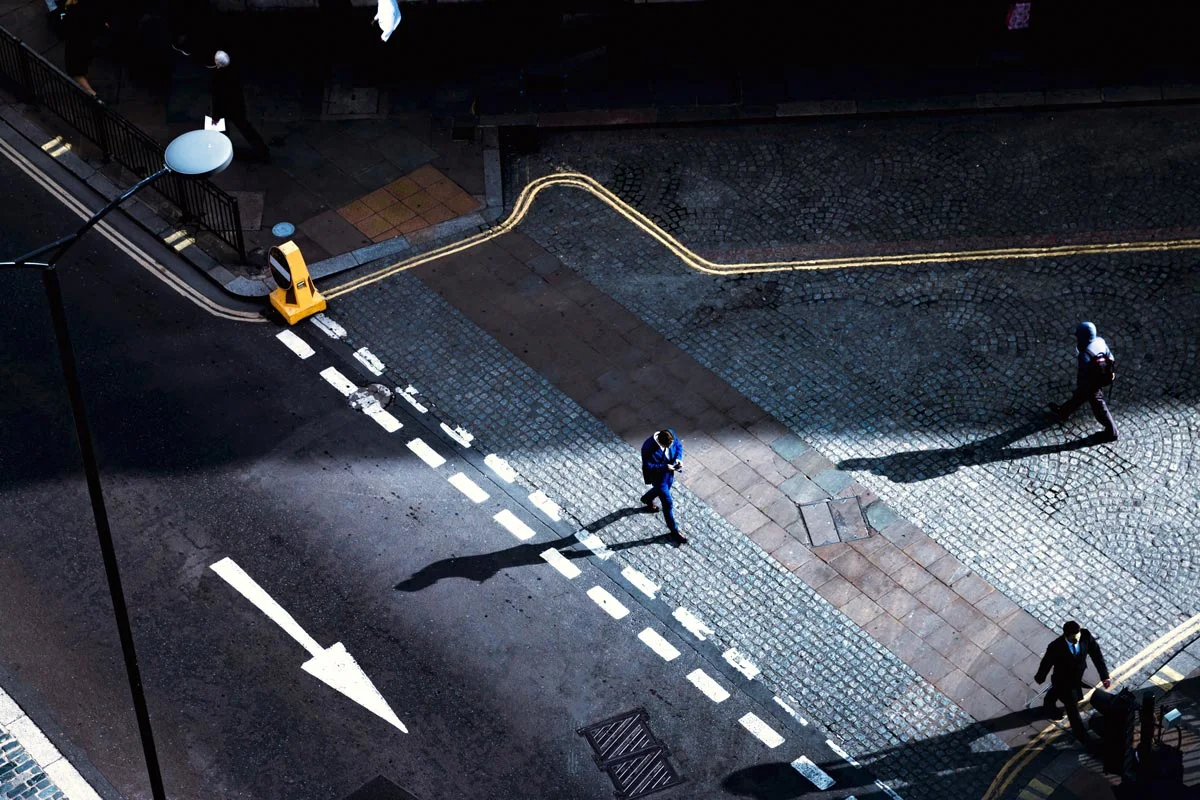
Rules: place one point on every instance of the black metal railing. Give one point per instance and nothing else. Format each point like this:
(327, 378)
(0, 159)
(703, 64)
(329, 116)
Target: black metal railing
(202, 203)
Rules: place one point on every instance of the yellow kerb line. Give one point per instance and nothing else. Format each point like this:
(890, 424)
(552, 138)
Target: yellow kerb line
(1021, 759)
(588, 184)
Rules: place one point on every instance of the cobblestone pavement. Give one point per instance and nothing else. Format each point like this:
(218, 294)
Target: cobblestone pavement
(20, 774)
(896, 372)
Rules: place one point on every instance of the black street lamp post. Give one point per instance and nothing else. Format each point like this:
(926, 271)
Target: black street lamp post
(194, 154)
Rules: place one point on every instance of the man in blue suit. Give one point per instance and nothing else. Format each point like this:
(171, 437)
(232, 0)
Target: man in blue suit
(661, 459)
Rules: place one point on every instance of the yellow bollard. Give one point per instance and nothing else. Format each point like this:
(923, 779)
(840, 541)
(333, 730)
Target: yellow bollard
(296, 297)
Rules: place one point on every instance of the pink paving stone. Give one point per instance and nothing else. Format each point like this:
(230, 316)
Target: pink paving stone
(747, 519)
(972, 588)
(769, 536)
(838, 591)
(814, 571)
(862, 609)
(924, 550)
(931, 666)
(782, 510)
(921, 621)
(956, 684)
(725, 501)
(912, 577)
(819, 523)
(898, 603)
(936, 595)
(762, 495)
(851, 564)
(887, 556)
(997, 607)
(1008, 651)
(902, 534)
(874, 584)
(717, 458)
(740, 477)
(948, 569)
(793, 555)
(983, 632)
(885, 629)
(982, 705)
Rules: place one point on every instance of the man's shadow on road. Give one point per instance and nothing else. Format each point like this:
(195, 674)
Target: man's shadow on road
(481, 567)
(911, 466)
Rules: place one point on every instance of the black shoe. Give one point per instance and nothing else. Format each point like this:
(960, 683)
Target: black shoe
(1056, 412)
(1107, 436)
(650, 507)
(678, 534)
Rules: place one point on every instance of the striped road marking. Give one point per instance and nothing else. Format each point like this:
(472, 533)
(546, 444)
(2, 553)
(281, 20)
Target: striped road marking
(514, 525)
(711, 689)
(597, 546)
(761, 730)
(368, 360)
(545, 505)
(652, 639)
(808, 769)
(383, 417)
(643, 584)
(741, 663)
(426, 453)
(835, 747)
(326, 325)
(791, 711)
(295, 344)
(468, 487)
(693, 624)
(611, 605)
(339, 381)
(560, 563)
(499, 466)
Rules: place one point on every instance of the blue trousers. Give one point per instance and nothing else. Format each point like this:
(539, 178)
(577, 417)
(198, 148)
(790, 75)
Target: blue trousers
(668, 505)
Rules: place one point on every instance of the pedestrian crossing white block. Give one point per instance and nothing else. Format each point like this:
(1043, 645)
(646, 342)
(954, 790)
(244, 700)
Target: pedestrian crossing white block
(514, 525)
(368, 360)
(597, 546)
(560, 563)
(643, 584)
(883, 787)
(654, 640)
(295, 344)
(426, 453)
(815, 774)
(383, 417)
(339, 381)
(791, 711)
(501, 467)
(458, 434)
(547, 506)
(692, 624)
(330, 328)
(468, 487)
(611, 605)
(741, 663)
(835, 747)
(711, 689)
(761, 730)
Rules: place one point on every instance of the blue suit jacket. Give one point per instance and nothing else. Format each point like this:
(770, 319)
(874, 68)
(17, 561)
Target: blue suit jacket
(654, 462)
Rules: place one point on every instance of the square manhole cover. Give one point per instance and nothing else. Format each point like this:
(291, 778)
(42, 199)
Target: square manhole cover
(636, 762)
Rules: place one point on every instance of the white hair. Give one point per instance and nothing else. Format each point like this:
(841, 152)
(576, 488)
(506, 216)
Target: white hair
(221, 59)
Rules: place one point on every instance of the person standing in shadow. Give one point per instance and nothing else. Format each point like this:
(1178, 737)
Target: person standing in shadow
(229, 103)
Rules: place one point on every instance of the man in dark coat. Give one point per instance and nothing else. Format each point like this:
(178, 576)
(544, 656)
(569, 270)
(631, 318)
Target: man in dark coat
(1067, 657)
(661, 456)
(229, 104)
(1088, 382)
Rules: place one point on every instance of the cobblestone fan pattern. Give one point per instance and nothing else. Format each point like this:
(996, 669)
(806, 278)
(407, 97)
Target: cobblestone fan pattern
(21, 776)
(920, 380)
(892, 718)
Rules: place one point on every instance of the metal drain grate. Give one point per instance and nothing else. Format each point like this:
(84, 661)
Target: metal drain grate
(636, 762)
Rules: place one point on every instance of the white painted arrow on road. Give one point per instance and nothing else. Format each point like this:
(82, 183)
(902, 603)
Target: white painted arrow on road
(333, 665)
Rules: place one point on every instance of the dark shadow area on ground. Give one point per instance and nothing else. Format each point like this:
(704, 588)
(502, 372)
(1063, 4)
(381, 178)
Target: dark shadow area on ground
(780, 781)
(911, 466)
(483, 566)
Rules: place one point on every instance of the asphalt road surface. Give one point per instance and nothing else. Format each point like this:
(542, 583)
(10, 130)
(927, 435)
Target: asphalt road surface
(217, 442)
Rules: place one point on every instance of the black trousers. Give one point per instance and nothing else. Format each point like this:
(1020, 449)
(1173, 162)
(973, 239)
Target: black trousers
(1095, 397)
(1070, 701)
